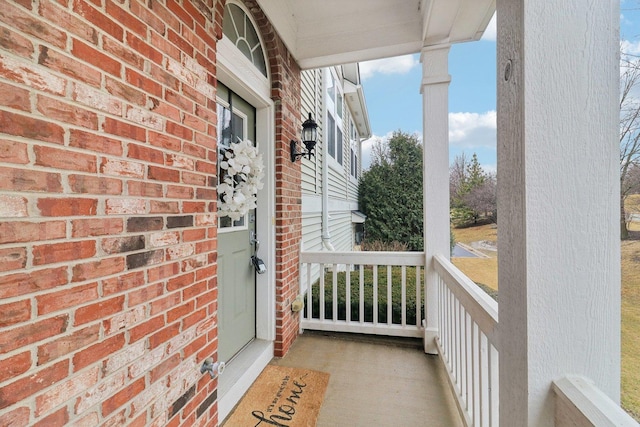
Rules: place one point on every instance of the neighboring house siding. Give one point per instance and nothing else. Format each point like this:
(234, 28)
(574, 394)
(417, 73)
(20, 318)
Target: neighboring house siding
(341, 186)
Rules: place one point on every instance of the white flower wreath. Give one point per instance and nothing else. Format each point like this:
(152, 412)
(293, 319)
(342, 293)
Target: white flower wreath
(244, 171)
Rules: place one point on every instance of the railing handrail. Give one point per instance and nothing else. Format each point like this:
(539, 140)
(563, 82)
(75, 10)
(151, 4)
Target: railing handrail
(363, 257)
(581, 402)
(480, 306)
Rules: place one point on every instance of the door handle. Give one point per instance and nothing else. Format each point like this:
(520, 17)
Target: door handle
(254, 241)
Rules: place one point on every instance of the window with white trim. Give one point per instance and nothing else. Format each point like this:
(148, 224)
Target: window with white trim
(334, 132)
(355, 151)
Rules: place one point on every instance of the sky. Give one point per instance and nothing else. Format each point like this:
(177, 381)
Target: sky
(392, 92)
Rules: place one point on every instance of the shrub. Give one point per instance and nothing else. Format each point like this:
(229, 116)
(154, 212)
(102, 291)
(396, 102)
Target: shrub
(396, 295)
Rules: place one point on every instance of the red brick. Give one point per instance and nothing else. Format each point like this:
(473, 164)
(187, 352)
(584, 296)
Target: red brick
(146, 328)
(144, 189)
(15, 312)
(64, 112)
(145, 49)
(14, 42)
(67, 206)
(125, 130)
(194, 123)
(97, 99)
(56, 301)
(123, 53)
(165, 46)
(98, 143)
(29, 180)
(33, 25)
(180, 192)
(12, 259)
(180, 282)
(163, 272)
(165, 78)
(36, 77)
(179, 101)
(122, 397)
(98, 352)
(181, 13)
(24, 283)
(194, 318)
(13, 366)
(179, 41)
(88, 184)
(126, 92)
(64, 390)
(60, 252)
(30, 333)
(31, 128)
(145, 153)
(164, 368)
(164, 141)
(68, 344)
(97, 269)
(163, 174)
(180, 311)
(98, 19)
(139, 296)
(17, 418)
(58, 418)
(163, 207)
(15, 392)
(96, 227)
(123, 283)
(12, 96)
(163, 304)
(144, 83)
(168, 111)
(67, 65)
(21, 231)
(126, 19)
(93, 56)
(54, 13)
(98, 310)
(13, 152)
(64, 159)
(164, 335)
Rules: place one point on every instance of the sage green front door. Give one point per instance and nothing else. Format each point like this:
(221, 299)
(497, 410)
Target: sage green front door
(236, 275)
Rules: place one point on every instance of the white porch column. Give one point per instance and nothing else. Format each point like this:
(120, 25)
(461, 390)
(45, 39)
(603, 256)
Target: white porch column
(435, 110)
(558, 201)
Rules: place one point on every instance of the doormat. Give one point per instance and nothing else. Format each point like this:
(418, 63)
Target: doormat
(281, 396)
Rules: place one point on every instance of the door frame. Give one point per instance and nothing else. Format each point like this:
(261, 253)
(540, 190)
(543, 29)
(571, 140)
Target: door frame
(235, 72)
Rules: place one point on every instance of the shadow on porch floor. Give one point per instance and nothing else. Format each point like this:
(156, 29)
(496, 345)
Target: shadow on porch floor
(375, 381)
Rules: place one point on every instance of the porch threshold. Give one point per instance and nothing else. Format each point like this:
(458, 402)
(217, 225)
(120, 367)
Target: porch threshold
(240, 373)
(382, 381)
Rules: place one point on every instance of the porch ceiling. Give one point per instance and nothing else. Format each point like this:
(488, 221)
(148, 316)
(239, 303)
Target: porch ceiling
(331, 32)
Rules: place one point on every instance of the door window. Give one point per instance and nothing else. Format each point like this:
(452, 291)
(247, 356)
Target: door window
(231, 129)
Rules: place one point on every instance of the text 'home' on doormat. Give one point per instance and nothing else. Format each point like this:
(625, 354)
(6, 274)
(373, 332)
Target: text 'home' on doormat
(282, 397)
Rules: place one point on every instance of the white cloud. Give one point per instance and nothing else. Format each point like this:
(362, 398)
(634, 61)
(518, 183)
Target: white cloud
(469, 130)
(491, 33)
(396, 65)
(630, 48)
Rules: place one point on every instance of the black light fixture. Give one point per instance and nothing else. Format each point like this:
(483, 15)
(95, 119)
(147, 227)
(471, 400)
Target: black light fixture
(309, 136)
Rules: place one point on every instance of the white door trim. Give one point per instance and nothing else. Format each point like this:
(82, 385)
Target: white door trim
(237, 73)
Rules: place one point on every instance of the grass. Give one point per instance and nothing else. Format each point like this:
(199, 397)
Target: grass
(485, 271)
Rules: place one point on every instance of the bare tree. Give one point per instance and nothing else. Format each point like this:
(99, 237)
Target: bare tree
(629, 131)
(481, 199)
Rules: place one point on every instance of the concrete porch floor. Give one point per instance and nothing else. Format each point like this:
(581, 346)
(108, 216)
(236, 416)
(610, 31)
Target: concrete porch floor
(375, 381)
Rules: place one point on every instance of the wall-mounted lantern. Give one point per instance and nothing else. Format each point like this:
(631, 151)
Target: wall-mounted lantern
(309, 136)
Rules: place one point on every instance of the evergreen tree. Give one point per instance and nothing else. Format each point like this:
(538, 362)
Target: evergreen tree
(390, 193)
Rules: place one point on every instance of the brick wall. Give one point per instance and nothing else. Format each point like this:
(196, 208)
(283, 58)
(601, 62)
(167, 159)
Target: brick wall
(108, 233)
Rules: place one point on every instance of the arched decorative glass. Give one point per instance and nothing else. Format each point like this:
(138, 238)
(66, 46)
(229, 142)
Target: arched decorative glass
(239, 29)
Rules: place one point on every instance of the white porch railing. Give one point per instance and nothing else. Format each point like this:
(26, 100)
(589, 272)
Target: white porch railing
(392, 279)
(468, 343)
